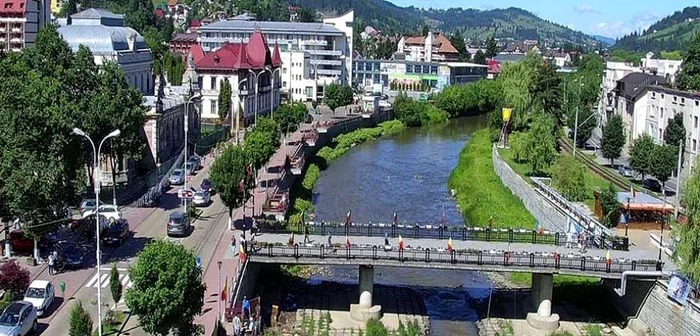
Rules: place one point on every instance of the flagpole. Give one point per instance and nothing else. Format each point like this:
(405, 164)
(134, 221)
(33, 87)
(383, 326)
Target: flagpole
(218, 302)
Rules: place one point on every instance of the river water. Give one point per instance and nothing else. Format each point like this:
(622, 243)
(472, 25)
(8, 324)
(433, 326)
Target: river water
(407, 174)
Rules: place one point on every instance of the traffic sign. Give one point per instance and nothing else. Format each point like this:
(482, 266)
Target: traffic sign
(199, 262)
(186, 194)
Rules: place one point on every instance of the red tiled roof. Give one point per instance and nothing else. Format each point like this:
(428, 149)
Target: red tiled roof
(494, 67)
(195, 23)
(415, 40)
(254, 55)
(13, 6)
(197, 53)
(276, 57)
(445, 45)
(185, 37)
(172, 2)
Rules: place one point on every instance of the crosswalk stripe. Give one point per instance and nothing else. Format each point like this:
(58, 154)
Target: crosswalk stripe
(92, 281)
(124, 279)
(104, 280)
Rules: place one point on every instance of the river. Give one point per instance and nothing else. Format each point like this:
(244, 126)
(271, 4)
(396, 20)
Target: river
(407, 174)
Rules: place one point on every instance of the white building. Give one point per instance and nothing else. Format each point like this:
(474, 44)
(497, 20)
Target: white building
(109, 40)
(614, 71)
(664, 68)
(313, 54)
(20, 21)
(630, 101)
(432, 48)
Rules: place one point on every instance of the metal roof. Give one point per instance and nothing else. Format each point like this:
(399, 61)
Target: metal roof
(96, 13)
(272, 27)
(101, 39)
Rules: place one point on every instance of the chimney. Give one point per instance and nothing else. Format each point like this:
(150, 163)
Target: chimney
(216, 59)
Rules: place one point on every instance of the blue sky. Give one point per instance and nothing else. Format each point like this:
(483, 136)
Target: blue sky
(612, 18)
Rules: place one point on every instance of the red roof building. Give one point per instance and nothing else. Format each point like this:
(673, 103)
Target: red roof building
(494, 69)
(181, 43)
(20, 20)
(432, 48)
(242, 64)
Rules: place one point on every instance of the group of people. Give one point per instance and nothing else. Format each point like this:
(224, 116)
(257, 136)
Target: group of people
(246, 323)
(582, 241)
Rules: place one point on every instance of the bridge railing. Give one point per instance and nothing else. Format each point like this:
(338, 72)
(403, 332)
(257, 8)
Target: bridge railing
(520, 260)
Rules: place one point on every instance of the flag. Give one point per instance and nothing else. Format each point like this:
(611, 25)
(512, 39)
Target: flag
(396, 218)
(347, 218)
(347, 242)
(607, 256)
(241, 185)
(449, 245)
(632, 192)
(400, 243)
(224, 292)
(241, 252)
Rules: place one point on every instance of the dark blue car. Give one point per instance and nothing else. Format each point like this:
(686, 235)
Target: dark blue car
(207, 186)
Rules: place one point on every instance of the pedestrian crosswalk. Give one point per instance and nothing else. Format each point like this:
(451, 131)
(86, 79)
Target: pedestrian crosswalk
(103, 280)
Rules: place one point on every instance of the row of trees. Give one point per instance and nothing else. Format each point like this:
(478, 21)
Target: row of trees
(45, 92)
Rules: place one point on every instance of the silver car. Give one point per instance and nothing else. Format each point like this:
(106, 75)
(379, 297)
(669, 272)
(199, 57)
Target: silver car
(625, 171)
(201, 198)
(177, 177)
(18, 319)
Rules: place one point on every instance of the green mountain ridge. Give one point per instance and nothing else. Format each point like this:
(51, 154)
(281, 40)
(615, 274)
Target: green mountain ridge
(670, 33)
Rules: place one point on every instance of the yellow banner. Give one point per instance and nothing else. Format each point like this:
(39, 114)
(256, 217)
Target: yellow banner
(506, 113)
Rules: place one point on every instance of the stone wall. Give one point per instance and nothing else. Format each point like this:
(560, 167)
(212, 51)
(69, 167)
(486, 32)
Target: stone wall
(660, 315)
(544, 212)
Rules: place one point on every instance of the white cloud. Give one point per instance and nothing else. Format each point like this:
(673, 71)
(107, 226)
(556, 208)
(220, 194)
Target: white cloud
(585, 10)
(638, 23)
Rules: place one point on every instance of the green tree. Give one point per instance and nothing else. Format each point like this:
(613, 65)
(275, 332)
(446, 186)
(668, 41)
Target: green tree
(115, 286)
(688, 251)
(544, 90)
(610, 205)
(491, 48)
(375, 328)
(224, 99)
(458, 42)
(613, 139)
(640, 155)
(167, 291)
(517, 79)
(337, 95)
(568, 177)
(288, 116)
(689, 76)
(675, 132)
(519, 143)
(306, 14)
(541, 150)
(262, 142)
(227, 175)
(407, 110)
(68, 8)
(479, 57)
(663, 162)
(80, 321)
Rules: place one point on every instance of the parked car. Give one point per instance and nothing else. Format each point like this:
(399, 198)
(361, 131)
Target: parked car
(18, 319)
(652, 185)
(625, 171)
(111, 212)
(116, 233)
(178, 224)
(40, 294)
(70, 256)
(88, 204)
(191, 168)
(207, 186)
(196, 161)
(201, 198)
(177, 177)
(20, 242)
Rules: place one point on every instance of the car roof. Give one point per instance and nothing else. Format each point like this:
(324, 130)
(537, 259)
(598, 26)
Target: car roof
(179, 170)
(177, 214)
(39, 284)
(16, 307)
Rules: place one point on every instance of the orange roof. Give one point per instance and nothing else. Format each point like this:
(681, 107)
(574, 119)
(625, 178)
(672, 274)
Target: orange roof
(647, 207)
(445, 45)
(415, 40)
(172, 2)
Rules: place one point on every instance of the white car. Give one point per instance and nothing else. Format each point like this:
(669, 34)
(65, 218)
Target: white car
(201, 198)
(110, 212)
(40, 294)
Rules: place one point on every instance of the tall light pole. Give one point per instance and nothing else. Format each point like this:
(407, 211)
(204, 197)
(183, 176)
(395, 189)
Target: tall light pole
(187, 124)
(237, 109)
(315, 66)
(272, 88)
(96, 176)
(576, 118)
(678, 181)
(218, 305)
(257, 85)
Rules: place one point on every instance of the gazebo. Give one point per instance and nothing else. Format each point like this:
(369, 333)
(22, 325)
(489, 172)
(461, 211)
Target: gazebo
(642, 211)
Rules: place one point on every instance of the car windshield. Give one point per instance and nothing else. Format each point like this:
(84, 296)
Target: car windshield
(9, 319)
(199, 194)
(176, 220)
(107, 209)
(88, 204)
(35, 293)
(177, 173)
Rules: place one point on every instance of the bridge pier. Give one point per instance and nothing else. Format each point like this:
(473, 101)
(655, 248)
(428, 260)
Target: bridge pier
(367, 279)
(541, 296)
(364, 309)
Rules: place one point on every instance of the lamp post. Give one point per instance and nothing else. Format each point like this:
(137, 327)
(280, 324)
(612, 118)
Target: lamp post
(663, 220)
(237, 114)
(96, 176)
(272, 88)
(627, 217)
(218, 305)
(678, 180)
(315, 66)
(184, 159)
(257, 85)
(576, 117)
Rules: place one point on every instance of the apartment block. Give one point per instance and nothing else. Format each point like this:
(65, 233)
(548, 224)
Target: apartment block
(20, 21)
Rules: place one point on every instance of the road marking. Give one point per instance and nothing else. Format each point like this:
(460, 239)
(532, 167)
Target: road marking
(103, 281)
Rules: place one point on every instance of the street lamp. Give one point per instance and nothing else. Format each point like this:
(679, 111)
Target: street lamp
(184, 159)
(576, 118)
(257, 84)
(96, 176)
(218, 305)
(272, 88)
(237, 114)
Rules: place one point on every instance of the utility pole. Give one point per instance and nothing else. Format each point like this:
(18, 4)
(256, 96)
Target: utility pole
(678, 180)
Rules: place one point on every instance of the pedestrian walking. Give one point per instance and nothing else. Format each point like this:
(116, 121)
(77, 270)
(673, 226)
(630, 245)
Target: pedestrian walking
(244, 243)
(233, 245)
(330, 237)
(236, 325)
(306, 234)
(52, 263)
(246, 307)
(386, 239)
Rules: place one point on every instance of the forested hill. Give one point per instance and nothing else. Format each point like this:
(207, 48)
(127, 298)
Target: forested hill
(473, 23)
(670, 33)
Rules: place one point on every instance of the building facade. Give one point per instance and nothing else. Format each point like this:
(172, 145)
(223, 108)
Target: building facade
(20, 21)
(418, 76)
(630, 102)
(252, 71)
(181, 43)
(110, 41)
(432, 48)
(313, 55)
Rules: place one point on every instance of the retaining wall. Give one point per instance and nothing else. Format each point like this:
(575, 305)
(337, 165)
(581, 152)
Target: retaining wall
(544, 212)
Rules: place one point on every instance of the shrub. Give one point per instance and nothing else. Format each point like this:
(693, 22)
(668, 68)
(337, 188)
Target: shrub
(518, 146)
(568, 178)
(80, 321)
(433, 115)
(375, 328)
(115, 286)
(14, 278)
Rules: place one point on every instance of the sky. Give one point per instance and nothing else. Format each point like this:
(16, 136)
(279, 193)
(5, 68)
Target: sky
(611, 18)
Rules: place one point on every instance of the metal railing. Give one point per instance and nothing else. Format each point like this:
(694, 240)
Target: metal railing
(519, 260)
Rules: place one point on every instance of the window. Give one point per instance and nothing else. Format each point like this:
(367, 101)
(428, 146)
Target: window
(697, 103)
(662, 113)
(695, 122)
(284, 83)
(653, 95)
(662, 96)
(213, 107)
(433, 69)
(695, 144)
(284, 70)
(682, 101)
(674, 99)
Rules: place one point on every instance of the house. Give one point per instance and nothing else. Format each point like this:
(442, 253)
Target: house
(182, 42)
(560, 59)
(494, 69)
(432, 48)
(631, 102)
(20, 21)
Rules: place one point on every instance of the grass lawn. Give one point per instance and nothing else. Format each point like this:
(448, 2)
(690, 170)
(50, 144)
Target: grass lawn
(593, 181)
(480, 192)
(525, 279)
(113, 328)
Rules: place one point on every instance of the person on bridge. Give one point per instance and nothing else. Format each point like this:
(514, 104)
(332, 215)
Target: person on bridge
(236, 325)
(330, 237)
(449, 245)
(246, 307)
(52, 262)
(400, 243)
(306, 234)
(386, 239)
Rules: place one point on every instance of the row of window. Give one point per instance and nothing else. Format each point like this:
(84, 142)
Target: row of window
(410, 68)
(675, 99)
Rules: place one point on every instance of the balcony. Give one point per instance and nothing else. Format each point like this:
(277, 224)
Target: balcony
(325, 52)
(16, 40)
(328, 72)
(314, 42)
(16, 29)
(297, 165)
(277, 205)
(326, 62)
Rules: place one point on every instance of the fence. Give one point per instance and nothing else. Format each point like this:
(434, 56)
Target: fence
(152, 196)
(217, 134)
(465, 257)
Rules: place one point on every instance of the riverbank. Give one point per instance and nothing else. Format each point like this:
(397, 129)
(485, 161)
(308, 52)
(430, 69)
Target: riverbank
(302, 190)
(479, 192)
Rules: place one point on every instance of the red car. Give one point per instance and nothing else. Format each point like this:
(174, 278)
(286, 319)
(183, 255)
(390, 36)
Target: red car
(21, 243)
